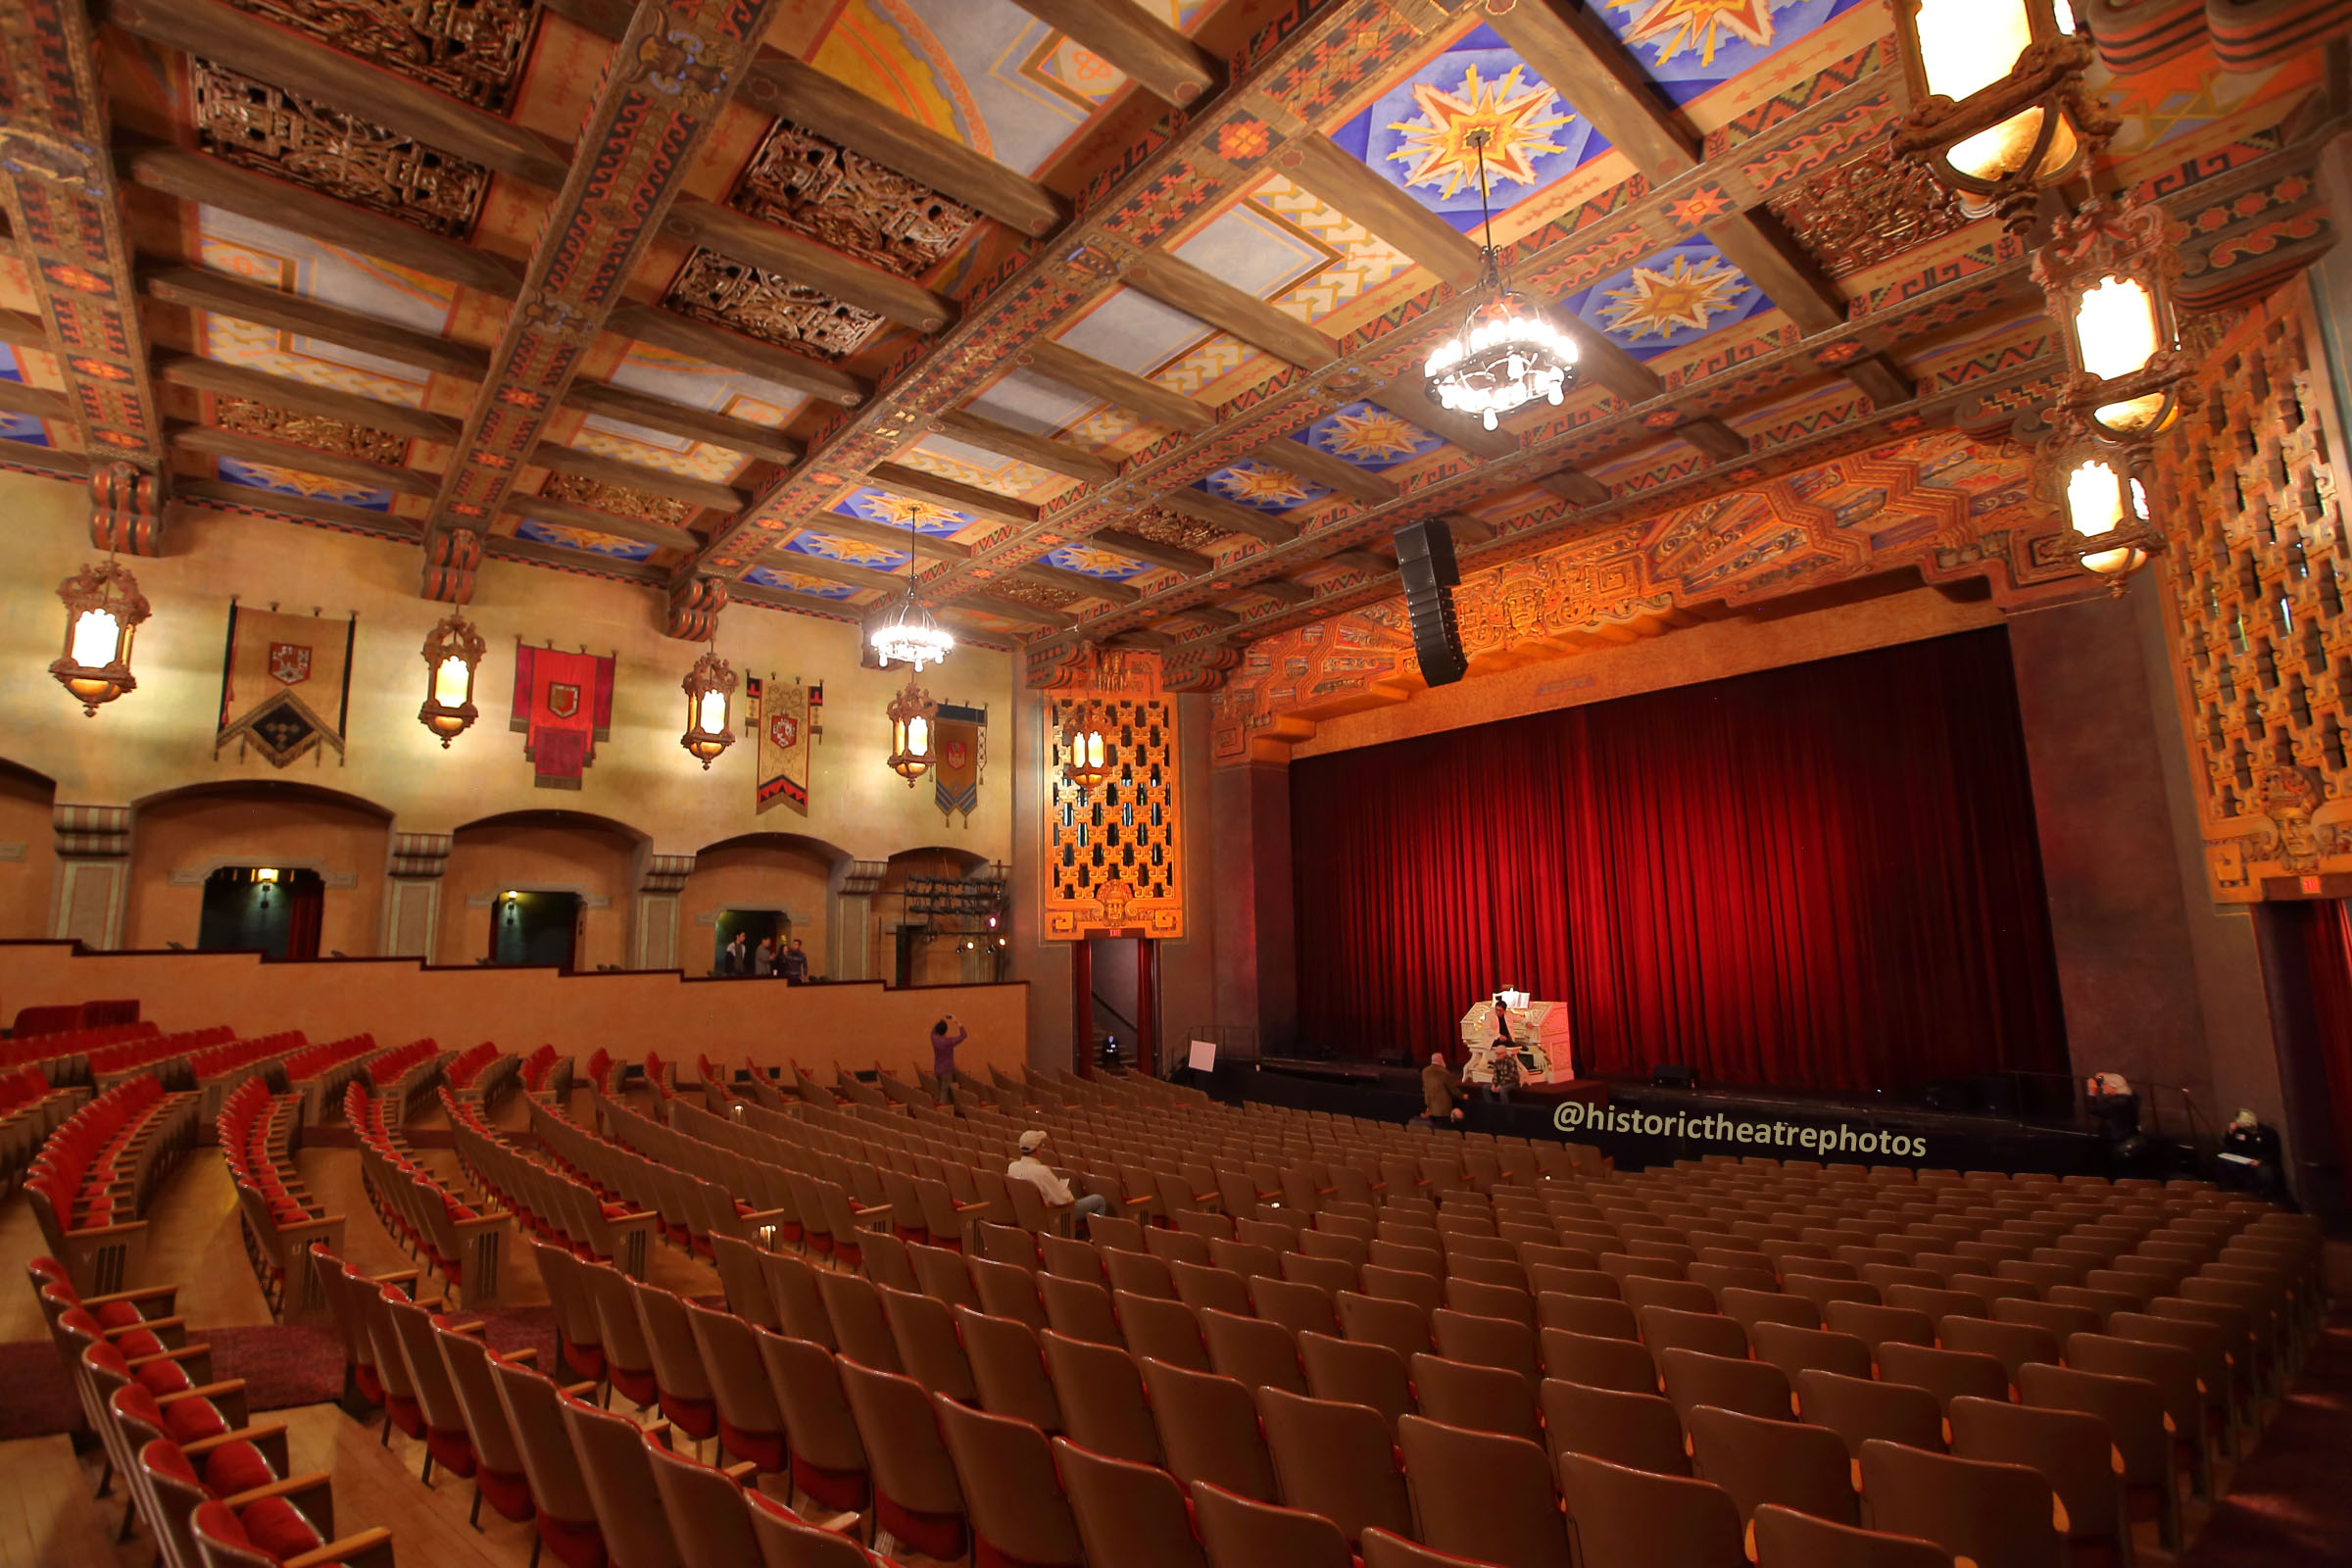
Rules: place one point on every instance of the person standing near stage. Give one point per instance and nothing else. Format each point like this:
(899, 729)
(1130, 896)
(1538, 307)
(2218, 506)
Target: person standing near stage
(1441, 1090)
(943, 1048)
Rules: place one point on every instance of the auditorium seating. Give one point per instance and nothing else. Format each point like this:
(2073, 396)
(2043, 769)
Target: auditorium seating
(92, 1179)
(165, 1056)
(258, 1133)
(447, 1230)
(480, 1074)
(318, 1073)
(544, 1072)
(404, 1075)
(548, 1197)
(64, 1057)
(30, 1111)
(70, 1017)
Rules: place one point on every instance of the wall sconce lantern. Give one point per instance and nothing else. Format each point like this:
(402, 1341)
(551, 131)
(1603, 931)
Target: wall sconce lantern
(1092, 755)
(2108, 270)
(1998, 109)
(912, 715)
(2103, 492)
(710, 688)
(453, 652)
(103, 610)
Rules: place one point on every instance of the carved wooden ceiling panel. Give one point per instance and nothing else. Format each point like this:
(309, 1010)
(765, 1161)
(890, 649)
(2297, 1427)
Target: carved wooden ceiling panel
(1858, 215)
(314, 431)
(621, 501)
(470, 49)
(800, 181)
(752, 300)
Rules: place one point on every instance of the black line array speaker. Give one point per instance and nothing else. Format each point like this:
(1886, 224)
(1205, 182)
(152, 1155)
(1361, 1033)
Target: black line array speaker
(1425, 561)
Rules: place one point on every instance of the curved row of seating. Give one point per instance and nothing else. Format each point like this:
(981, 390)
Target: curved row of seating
(258, 1133)
(550, 1199)
(545, 1072)
(319, 1073)
(162, 1055)
(90, 1181)
(30, 1111)
(53, 1019)
(63, 1055)
(212, 1486)
(406, 1074)
(462, 1242)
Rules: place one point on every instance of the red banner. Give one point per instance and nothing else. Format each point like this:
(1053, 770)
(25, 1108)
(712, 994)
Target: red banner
(564, 705)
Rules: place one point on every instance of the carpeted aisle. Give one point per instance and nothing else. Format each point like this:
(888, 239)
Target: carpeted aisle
(282, 1365)
(2291, 1502)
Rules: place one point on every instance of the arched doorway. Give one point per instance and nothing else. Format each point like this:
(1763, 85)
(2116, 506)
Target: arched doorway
(261, 908)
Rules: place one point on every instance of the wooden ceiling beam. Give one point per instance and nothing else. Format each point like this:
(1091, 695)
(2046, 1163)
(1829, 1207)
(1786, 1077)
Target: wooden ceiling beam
(1175, 558)
(245, 498)
(71, 236)
(194, 178)
(779, 84)
(608, 211)
(1077, 582)
(222, 379)
(1138, 637)
(514, 547)
(1083, 372)
(1209, 616)
(1573, 485)
(1233, 517)
(1015, 609)
(1576, 54)
(206, 440)
(735, 351)
(1467, 529)
(18, 330)
(15, 453)
(701, 493)
(948, 493)
(569, 515)
(1279, 589)
(775, 249)
(1164, 62)
(1066, 457)
(632, 407)
(855, 577)
(1718, 440)
(1608, 365)
(1321, 468)
(196, 289)
(1406, 396)
(39, 402)
(1315, 162)
(1361, 560)
(1207, 298)
(876, 533)
(235, 39)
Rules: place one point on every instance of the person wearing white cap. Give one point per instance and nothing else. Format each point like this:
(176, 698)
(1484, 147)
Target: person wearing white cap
(1040, 1175)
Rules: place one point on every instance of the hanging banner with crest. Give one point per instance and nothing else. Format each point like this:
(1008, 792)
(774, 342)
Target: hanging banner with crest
(960, 740)
(285, 684)
(563, 706)
(787, 720)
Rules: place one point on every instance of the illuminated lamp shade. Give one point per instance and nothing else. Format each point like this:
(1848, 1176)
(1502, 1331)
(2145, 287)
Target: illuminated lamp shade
(103, 610)
(1506, 354)
(710, 688)
(453, 652)
(912, 715)
(1998, 107)
(2101, 491)
(1091, 756)
(2106, 273)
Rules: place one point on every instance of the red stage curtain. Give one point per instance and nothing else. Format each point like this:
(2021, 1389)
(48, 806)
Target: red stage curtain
(1822, 876)
(2326, 930)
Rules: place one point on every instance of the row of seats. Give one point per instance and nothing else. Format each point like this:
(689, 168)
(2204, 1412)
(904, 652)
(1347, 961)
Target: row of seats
(403, 1074)
(89, 1183)
(277, 1217)
(597, 1487)
(165, 1055)
(63, 1055)
(452, 1233)
(61, 1018)
(546, 1073)
(213, 1488)
(30, 1111)
(319, 1073)
(481, 1071)
(546, 1194)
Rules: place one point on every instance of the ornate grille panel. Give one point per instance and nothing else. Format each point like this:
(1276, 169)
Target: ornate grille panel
(249, 121)
(804, 183)
(1112, 854)
(314, 431)
(766, 305)
(472, 48)
(2258, 573)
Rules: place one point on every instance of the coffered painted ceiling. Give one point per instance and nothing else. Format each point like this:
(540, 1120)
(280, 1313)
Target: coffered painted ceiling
(1105, 314)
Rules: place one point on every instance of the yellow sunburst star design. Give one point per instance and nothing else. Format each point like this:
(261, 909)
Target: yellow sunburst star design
(1371, 434)
(901, 513)
(1261, 487)
(1679, 296)
(1698, 26)
(1437, 141)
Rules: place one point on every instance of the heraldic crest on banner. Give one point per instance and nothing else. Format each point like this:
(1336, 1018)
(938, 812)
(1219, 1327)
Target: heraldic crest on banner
(285, 684)
(960, 742)
(563, 706)
(787, 720)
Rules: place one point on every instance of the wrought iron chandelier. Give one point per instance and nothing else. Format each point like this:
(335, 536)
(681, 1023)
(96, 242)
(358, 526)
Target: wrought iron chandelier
(902, 631)
(1507, 353)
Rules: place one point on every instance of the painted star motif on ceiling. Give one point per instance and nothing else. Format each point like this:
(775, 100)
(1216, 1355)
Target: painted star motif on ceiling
(1698, 26)
(1515, 117)
(1261, 486)
(901, 513)
(1371, 434)
(1667, 301)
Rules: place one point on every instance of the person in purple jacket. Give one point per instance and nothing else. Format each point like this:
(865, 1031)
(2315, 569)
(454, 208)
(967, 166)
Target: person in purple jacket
(943, 1047)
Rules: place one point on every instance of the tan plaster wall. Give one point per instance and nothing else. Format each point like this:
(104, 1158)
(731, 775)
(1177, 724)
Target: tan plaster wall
(757, 874)
(589, 857)
(256, 824)
(28, 859)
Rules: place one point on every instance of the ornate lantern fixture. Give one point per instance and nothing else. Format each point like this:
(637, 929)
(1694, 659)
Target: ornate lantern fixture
(2103, 491)
(453, 652)
(1507, 353)
(1998, 109)
(902, 631)
(1091, 756)
(912, 715)
(103, 610)
(710, 688)
(2108, 270)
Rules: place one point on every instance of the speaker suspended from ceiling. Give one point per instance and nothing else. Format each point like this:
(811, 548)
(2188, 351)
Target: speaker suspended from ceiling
(1425, 561)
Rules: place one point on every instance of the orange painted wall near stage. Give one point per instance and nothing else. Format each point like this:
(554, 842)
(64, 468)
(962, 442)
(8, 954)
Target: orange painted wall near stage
(398, 999)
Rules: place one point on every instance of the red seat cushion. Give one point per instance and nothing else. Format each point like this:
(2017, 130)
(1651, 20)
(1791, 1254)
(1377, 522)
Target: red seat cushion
(236, 1467)
(117, 1314)
(193, 1420)
(138, 1343)
(165, 1377)
(280, 1528)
